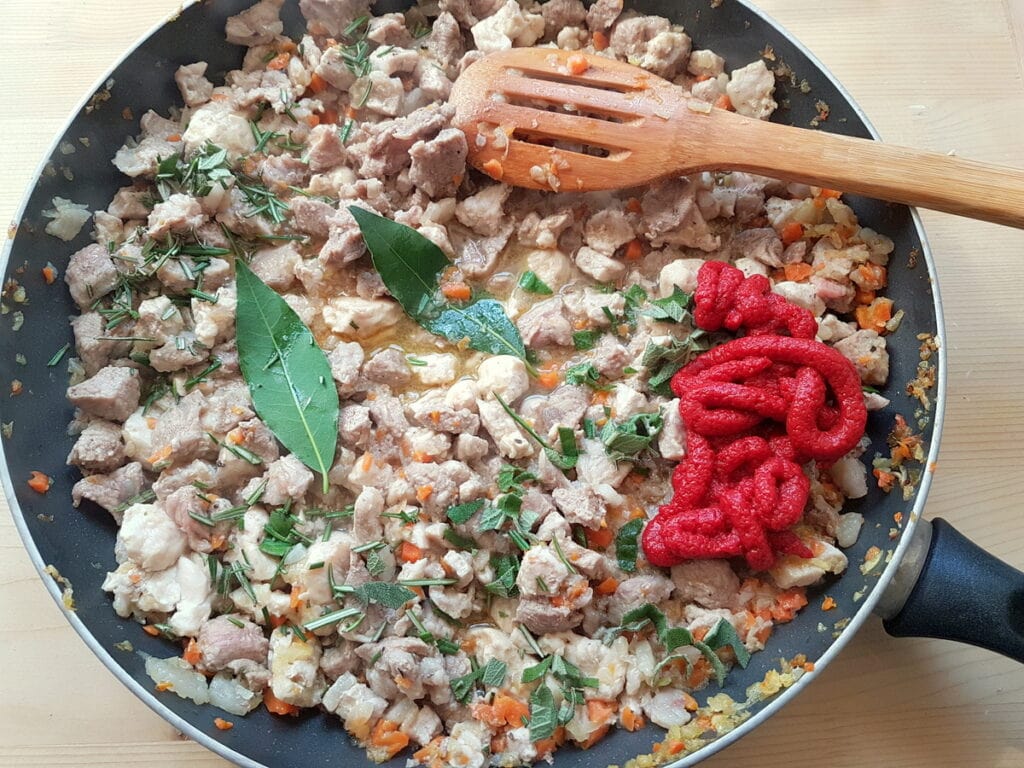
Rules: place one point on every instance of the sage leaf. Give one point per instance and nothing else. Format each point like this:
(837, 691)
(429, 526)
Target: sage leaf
(384, 593)
(493, 674)
(288, 375)
(461, 513)
(724, 634)
(542, 713)
(626, 544)
(670, 637)
(410, 266)
(623, 441)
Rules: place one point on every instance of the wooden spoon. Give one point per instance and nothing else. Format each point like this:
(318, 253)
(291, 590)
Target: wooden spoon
(513, 105)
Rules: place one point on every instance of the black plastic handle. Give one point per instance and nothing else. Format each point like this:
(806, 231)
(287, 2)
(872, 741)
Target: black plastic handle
(963, 593)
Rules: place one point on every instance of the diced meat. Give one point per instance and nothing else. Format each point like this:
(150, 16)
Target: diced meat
(477, 256)
(503, 375)
(445, 40)
(225, 639)
(257, 25)
(543, 617)
(706, 63)
(672, 438)
(836, 295)
(610, 357)
(637, 590)
(390, 367)
(579, 504)
(389, 29)
(543, 232)
(276, 266)
(195, 88)
(545, 324)
(218, 123)
(90, 275)
(171, 480)
(384, 95)
(602, 14)
(762, 244)
(866, 350)
(110, 491)
(802, 294)
(750, 90)
(287, 480)
(670, 215)
(99, 448)
(484, 211)
(346, 359)
(367, 524)
(438, 165)
(179, 435)
(387, 151)
(598, 266)
(433, 82)
(607, 230)
(149, 538)
(652, 44)
(330, 17)
(178, 213)
(510, 440)
(93, 351)
(332, 68)
(394, 60)
(388, 414)
(130, 203)
(354, 425)
(511, 25)
(113, 393)
(295, 668)
(355, 318)
(312, 217)
(559, 14)
(711, 583)
(282, 171)
(325, 149)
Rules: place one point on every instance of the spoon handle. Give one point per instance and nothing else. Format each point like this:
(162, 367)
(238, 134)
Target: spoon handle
(863, 167)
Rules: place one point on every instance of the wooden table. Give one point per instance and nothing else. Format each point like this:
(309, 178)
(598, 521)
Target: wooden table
(938, 75)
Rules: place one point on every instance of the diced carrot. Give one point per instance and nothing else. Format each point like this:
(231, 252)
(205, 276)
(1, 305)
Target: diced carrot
(599, 537)
(421, 457)
(702, 78)
(174, 137)
(494, 169)
(863, 297)
(872, 276)
(317, 84)
(165, 686)
(792, 232)
(457, 291)
(631, 721)
(788, 603)
(724, 102)
(689, 703)
(875, 315)
(294, 601)
(312, 120)
(366, 463)
(607, 587)
(512, 711)
(192, 654)
(828, 604)
(329, 116)
(675, 746)
(276, 706)
(600, 41)
(577, 64)
(633, 205)
(548, 379)
(600, 398)
(386, 737)
(834, 194)
(39, 482)
(150, 630)
(423, 492)
(797, 272)
(278, 621)
(637, 512)
(600, 711)
(351, 112)
(222, 725)
(594, 737)
(49, 274)
(634, 250)
(279, 62)
(408, 552)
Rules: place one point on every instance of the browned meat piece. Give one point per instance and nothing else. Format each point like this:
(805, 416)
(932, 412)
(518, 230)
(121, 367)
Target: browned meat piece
(670, 215)
(324, 149)
(179, 352)
(221, 640)
(345, 243)
(257, 25)
(484, 212)
(239, 218)
(387, 150)
(339, 659)
(650, 588)
(390, 367)
(129, 203)
(354, 425)
(346, 359)
(113, 393)
(476, 256)
(367, 524)
(388, 414)
(610, 357)
(276, 266)
(99, 448)
(93, 351)
(579, 504)
(564, 407)
(178, 213)
(445, 41)
(559, 14)
(282, 171)
(195, 88)
(438, 165)
(762, 244)
(545, 324)
(330, 17)
(444, 480)
(90, 275)
(287, 480)
(182, 506)
(312, 217)
(602, 14)
(389, 29)
(110, 491)
(181, 429)
(173, 478)
(543, 232)
(711, 583)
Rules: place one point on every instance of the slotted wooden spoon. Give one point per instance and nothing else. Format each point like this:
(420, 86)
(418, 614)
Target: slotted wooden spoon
(513, 105)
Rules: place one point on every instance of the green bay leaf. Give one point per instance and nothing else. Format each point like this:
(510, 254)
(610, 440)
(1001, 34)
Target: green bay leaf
(484, 324)
(288, 375)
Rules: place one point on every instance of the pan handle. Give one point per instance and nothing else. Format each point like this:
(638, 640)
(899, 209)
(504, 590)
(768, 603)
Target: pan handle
(961, 593)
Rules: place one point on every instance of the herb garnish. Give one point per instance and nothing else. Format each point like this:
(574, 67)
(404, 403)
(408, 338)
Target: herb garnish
(561, 460)
(624, 440)
(490, 675)
(662, 362)
(288, 375)
(675, 307)
(410, 265)
(584, 340)
(584, 373)
(626, 549)
(531, 283)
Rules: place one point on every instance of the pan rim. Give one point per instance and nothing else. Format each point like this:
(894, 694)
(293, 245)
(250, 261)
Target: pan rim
(862, 614)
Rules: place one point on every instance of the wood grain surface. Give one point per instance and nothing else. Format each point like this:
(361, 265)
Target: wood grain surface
(931, 74)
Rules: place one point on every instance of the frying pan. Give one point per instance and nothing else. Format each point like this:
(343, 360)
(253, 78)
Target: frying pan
(74, 542)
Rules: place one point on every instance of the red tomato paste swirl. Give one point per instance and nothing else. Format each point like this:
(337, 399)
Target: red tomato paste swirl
(755, 409)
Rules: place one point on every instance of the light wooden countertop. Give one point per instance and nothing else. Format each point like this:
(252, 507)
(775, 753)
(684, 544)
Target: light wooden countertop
(937, 75)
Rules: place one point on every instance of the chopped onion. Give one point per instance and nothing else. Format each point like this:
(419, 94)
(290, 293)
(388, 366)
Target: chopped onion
(68, 218)
(228, 694)
(177, 676)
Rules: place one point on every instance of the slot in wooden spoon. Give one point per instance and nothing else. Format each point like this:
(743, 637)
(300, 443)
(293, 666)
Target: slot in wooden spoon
(532, 122)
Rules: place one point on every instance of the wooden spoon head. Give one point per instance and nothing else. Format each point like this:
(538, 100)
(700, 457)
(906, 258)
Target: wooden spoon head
(550, 119)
